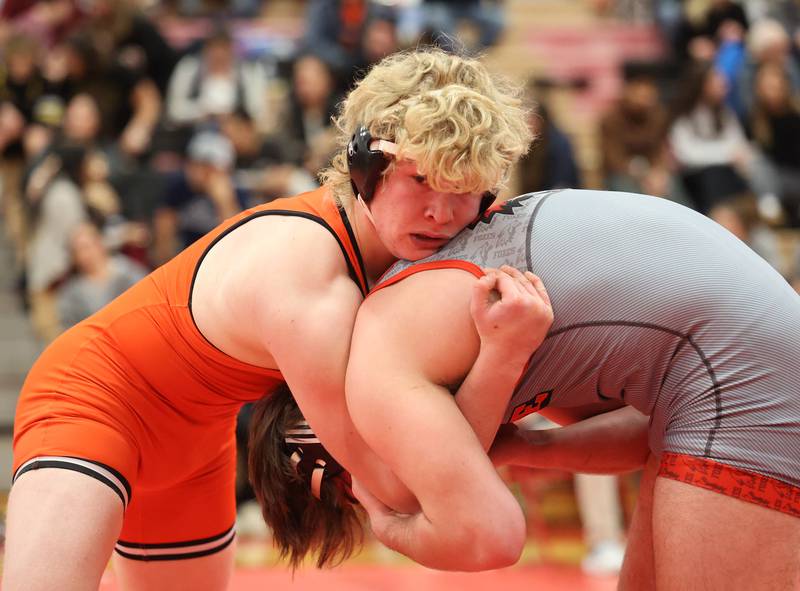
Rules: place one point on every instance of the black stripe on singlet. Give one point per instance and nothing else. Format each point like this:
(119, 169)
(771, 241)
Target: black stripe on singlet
(186, 544)
(716, 387)
(175, 551)
(712, 375)
(301, 214)
(68, 463)
(354, 242)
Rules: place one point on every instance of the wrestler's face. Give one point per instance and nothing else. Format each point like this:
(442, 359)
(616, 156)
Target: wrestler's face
(414, 221)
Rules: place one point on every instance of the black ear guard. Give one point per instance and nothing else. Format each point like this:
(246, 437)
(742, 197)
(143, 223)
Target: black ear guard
(486, 202)
(365, 164)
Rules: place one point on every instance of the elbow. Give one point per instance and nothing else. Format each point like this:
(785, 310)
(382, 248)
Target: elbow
(497, 541)
(503, 548)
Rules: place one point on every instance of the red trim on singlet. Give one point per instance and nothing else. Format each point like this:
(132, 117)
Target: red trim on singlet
(444, 264)
(733, 482)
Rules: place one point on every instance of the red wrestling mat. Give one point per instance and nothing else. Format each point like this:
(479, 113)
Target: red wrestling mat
(382, 578)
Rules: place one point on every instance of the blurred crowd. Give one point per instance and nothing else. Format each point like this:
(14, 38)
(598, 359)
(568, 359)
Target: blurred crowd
(129, 129)
(120, 148)
(714, 125)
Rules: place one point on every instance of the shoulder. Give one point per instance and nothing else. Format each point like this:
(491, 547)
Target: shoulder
(431, 298)
(286, 257)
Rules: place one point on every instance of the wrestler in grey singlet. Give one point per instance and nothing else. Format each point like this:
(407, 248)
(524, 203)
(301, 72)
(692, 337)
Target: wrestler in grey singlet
(662, 308)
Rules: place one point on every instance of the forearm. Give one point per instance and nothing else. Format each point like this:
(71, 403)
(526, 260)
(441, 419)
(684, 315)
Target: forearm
(373, 473)
(417, 538)
(488, 535)
(484, 394)
(609, 443)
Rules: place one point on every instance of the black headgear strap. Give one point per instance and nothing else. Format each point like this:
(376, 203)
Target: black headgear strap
(310, 459)
(367, 164)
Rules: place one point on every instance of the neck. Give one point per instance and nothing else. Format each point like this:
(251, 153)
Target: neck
(375, 255)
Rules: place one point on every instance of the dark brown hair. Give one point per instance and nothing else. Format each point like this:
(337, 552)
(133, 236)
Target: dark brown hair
(301, 524)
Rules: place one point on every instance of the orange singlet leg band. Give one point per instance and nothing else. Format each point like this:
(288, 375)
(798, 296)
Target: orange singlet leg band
(733, 482)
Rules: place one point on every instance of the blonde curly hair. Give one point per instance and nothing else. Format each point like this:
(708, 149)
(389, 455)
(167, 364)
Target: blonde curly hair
(464, 127)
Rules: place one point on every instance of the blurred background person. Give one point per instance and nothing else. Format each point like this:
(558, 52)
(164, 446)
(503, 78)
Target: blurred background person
(215, 82)
(601, 516)
(775, 128)
(767, 43)
(709, 144)
(633, 143)
(198, 197)
(98, 276)
(443, 21)
(551, 162)
(137, 62)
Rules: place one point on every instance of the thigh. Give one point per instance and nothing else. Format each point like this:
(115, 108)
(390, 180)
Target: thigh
(60, 530)
(705, 540)
(638, 569)
(181, 536)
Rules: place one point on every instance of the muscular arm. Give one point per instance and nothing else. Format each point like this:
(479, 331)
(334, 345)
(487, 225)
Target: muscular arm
(303, 308)
(512, 314)
(410, 341)
(609, 443)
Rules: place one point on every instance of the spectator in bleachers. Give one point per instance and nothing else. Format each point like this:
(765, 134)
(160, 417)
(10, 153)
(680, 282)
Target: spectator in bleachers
(730, 60)
(199, 197)
(334, 28)
(137, 63)
(215, 8)
(379, 40)
(21, 85)
(104, 174)
(215, 83)
(48, 21)
(775, 127)
(698, 35)
(550, 163)
(724, 11)
(441, 20)
(312, 104)
(600, 508)
(266, 168)
(633, 139)
(350, 34)
(123, 32)
(101, 160)
(130, 103)
(741, 217)
(768, 43)
(99, 276)
(707, 141)
(54, 197)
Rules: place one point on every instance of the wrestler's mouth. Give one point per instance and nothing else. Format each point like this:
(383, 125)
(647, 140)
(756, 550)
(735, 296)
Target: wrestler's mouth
(430, 240)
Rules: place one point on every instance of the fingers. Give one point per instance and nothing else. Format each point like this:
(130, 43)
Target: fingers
(508, 287)
(485, 290)
(539, 287)
(507, 282)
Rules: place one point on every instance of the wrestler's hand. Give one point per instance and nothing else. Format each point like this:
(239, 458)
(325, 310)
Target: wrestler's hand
(511, 311)
(381, 517)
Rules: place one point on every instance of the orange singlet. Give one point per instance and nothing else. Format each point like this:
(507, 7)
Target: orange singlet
(136, 397)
